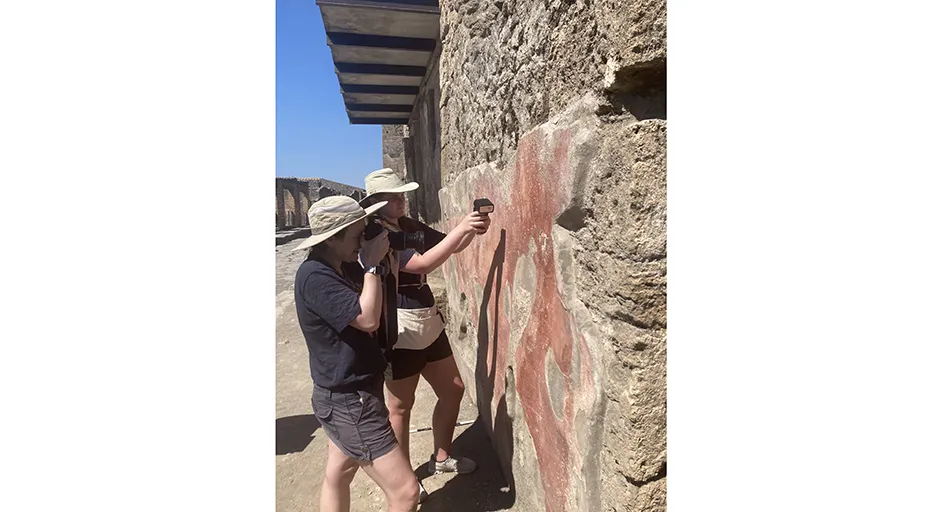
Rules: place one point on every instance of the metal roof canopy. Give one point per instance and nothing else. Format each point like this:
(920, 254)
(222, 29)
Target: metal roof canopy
(381, 51)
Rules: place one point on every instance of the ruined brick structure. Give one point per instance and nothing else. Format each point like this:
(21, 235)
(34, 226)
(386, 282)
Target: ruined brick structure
(555, 110)
(295, 195)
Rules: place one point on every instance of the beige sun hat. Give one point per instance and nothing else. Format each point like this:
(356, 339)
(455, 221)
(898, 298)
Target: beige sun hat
(330, 215)
(386, 181)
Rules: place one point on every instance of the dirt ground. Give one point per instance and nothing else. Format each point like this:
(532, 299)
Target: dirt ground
(301, 445)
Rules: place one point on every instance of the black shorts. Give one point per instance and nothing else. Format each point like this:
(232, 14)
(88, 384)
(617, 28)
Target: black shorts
(406, 363)
(356, 421)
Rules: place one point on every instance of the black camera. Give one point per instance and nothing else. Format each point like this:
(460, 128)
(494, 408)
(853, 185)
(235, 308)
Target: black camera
(398, 240)
(483, 205)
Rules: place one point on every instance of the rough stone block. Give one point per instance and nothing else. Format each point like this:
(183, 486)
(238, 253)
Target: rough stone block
(621, 257)
(508, 66)
(635, 426)
(393, 148)
(649, 497)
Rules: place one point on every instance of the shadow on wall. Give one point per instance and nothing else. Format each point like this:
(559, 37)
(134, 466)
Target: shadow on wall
(485, 374)
(294, 433)
(483, 490)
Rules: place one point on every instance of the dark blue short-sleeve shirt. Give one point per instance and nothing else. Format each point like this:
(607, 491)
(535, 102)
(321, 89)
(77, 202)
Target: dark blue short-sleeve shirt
(341, 356)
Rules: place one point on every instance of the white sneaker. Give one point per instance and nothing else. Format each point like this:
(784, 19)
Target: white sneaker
(459, 465)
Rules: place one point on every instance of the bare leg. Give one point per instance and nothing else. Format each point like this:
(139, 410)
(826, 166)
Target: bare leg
(340, 470)
(401, 398)
(445, 380)
(392, 472)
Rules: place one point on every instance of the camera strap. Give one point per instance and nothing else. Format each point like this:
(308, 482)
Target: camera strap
(390, 307)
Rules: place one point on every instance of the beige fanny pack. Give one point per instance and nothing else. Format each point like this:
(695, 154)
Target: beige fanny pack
(418, 328)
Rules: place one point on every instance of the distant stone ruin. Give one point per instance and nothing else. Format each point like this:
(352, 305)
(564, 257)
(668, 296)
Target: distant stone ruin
(295, 195)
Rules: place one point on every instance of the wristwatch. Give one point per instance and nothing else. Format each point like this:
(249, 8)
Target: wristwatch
(378, 270)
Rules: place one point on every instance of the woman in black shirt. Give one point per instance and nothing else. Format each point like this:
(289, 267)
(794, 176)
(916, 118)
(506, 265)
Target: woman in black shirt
(422, 347)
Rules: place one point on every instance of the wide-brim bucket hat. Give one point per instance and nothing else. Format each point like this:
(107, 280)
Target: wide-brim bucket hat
(330, 215)
(385, 181)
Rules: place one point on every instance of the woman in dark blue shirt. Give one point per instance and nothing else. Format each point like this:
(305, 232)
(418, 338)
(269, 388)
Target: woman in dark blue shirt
(339, 320)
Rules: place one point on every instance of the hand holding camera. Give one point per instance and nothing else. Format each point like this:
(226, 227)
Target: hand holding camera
(476, 223)
(479, 221)
(373, 250)
(473, 223)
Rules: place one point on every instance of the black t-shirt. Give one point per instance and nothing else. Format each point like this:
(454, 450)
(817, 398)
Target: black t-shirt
(341, 356)
(413, 291)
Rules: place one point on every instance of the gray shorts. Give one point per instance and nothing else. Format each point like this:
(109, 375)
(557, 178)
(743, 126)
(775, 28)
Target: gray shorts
(356, 421)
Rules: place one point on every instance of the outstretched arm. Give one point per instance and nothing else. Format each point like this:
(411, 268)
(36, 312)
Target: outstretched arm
(466, 241)
(437, 255)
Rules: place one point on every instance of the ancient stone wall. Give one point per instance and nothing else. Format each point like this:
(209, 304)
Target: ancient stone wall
(422, 145)
(289, 198)
(396, 153)
(512, 64)
(320, 188)
(393, 148)
(295, 195)
(558, 314)
(280, 212)
(556, 111)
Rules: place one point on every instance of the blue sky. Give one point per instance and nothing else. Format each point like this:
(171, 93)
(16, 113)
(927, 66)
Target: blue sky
(314, 137)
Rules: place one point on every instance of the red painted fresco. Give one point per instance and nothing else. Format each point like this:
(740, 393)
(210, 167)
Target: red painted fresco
(539, 191)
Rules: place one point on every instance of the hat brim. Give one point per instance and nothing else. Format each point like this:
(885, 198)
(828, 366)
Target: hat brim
(407, 187)
(315, 239)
